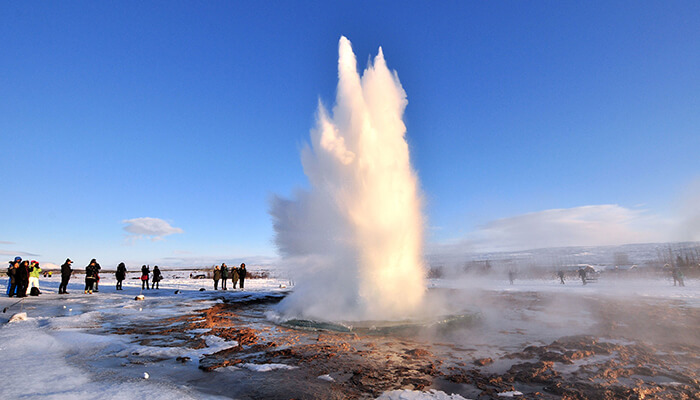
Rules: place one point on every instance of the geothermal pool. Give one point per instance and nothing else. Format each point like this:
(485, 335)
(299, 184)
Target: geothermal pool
(611, 339)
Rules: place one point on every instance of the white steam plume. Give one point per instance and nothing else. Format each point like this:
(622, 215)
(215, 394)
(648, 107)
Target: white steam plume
(356, 238)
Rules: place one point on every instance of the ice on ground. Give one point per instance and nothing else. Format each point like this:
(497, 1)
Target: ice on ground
(510, 394)
(42, 361)
(265, 367)
(214, 344)
(417, 395)
(326, 378)
(63, 350)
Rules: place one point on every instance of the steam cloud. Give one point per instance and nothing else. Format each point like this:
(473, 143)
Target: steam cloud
(356, 238)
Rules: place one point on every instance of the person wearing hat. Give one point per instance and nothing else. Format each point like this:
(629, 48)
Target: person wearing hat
(11, 272)
(66, 271)
(34, 273)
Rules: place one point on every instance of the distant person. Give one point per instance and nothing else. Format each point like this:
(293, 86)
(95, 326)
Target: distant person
(34, 274)
(66, 272)
(560, 274)
(242, 274)
(90, 277)
(156, 278)
(120, 275)
(224, 276)
(217, 276)
(511, 276)
(582, 274)
(677, 276)
(12, 276)
(234, 276)
(145, 271)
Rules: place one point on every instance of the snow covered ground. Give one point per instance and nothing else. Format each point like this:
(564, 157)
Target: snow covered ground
(62, 350)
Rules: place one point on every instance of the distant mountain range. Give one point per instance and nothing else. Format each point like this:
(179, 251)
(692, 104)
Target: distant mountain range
(642, 255)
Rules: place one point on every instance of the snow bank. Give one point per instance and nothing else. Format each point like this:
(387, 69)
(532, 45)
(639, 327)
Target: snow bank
(40, 355)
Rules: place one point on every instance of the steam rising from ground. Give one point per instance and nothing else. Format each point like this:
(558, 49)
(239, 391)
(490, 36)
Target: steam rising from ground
(355, 239)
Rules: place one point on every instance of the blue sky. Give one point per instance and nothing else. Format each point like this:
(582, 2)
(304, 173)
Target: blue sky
(158, 131)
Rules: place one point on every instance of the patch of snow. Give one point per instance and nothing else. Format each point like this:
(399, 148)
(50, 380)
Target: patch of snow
(418, 395)
(510, 394)
(326, 378)
(265, 367)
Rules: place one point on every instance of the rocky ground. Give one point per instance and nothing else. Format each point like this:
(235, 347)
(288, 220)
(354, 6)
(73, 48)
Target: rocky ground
(552, 346)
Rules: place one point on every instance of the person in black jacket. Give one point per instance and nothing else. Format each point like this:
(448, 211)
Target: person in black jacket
(224, 276)
(12, 275)
(97, 274)
(145, 271)
(22, 278)
(241, 274)
(66, 272)
(120, 275)
(156, 278)
(90, 277)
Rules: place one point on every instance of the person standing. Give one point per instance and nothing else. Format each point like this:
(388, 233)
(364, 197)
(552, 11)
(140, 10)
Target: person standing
(560, 273)
(34, 273)
(145, 271)
(97, 274)
(234, 276)
(90, 277)
(677, 276)
(217, 276)
(66, 272)
(12, 276)
(582, 274)
(224, 276)
(242, 274)
(120, 275)
(22, 278)
(156, 278)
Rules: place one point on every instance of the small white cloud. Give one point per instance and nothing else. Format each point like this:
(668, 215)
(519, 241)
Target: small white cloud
(153, 228)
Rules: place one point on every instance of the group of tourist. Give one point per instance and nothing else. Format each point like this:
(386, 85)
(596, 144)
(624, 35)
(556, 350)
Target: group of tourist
(24, 277)
(145, 272)
(223, 273)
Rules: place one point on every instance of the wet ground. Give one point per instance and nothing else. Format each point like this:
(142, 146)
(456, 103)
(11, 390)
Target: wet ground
(547, 345)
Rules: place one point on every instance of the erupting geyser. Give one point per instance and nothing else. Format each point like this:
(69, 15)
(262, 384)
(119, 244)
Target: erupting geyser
(355, 239)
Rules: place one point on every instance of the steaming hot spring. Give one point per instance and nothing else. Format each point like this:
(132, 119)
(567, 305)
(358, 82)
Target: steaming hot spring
(358, 320)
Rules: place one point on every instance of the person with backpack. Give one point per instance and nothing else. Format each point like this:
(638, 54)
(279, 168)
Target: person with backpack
(66, 272)
(145, 271)
(33, 284)
(120, 275)
(224, 276)
(156, 278)
(90, 277)
(97, 274)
